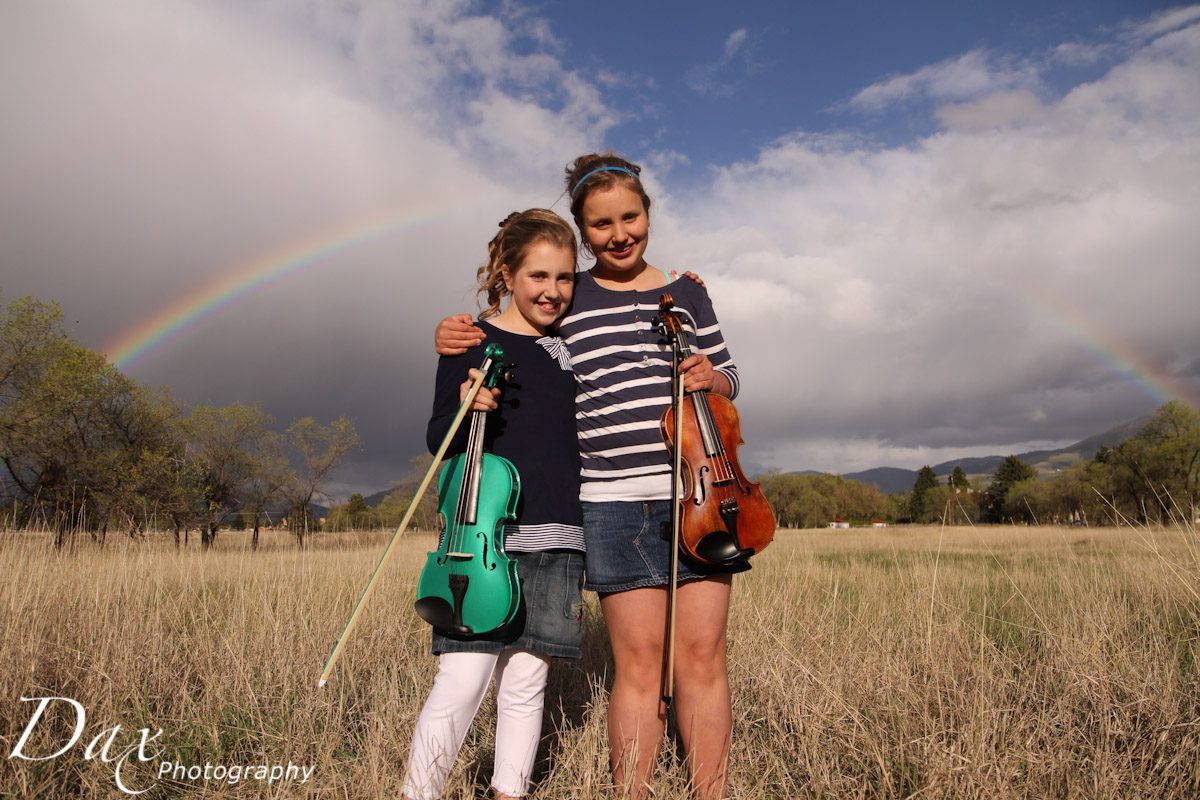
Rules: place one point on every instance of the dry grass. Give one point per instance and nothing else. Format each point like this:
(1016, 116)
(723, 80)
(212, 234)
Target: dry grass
(968, 662)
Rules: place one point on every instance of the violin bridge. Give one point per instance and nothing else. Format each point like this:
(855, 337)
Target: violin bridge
(464, 556)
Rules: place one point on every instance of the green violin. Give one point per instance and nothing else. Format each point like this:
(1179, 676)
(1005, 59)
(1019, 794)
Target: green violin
(469, 585)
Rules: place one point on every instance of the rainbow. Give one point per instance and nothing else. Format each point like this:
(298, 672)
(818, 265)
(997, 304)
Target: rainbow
(203, 303)
(1118, 357)
(195, 308)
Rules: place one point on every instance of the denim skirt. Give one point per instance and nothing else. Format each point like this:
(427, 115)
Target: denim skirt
(626, 549)
(548, 621)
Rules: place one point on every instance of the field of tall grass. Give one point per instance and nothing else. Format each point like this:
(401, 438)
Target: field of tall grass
(879, 663)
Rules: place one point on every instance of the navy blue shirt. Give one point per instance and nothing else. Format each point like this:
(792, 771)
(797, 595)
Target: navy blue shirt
(534, 428)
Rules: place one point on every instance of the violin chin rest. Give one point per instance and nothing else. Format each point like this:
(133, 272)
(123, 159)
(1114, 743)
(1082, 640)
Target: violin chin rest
(719, 547)
(440, 614)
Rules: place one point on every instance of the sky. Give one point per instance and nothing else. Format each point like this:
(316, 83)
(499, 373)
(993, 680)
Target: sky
(930, 230)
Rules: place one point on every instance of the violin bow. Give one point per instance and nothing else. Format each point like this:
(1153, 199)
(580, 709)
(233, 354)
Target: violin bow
(437, 460)
(668, 680)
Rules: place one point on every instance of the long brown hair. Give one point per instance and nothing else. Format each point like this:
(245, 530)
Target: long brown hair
(519, 231)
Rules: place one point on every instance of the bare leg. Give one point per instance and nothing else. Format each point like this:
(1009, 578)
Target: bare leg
(702, 701)
(635, 620)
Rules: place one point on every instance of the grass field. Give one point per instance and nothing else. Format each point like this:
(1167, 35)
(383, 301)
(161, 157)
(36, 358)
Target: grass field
(880, 663)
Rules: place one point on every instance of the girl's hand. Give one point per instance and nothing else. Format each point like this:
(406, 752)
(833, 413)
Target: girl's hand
(455, 334)
(689, 274)
(485, 398)
(698, 373)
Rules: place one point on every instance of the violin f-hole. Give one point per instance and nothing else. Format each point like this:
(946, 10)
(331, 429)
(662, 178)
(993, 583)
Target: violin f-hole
(470, 585)
(486, 565)
(701, 494)
(718, 526)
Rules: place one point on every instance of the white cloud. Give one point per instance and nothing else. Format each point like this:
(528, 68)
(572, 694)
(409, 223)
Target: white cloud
(1000, 109)
(1080, 54)
(962, 288)
(968, 76)
(712, 78)
(886, 304)
(735, 42)
(1164, 21)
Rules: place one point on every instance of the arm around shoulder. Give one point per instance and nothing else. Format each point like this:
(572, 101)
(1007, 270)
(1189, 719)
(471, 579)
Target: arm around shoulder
(454, 335)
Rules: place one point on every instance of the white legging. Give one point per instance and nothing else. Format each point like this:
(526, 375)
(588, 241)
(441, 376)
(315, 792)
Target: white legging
(462, 681)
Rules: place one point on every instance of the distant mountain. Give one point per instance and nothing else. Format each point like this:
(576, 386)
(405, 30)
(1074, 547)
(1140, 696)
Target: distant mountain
(373, 500)
(890, 480)
(893, 480)
(1050, 461)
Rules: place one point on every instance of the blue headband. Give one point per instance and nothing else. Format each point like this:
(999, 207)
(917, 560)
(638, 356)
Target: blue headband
(601, 169)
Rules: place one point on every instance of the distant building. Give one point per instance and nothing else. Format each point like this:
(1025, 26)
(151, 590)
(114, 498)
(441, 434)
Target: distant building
(838, 522)
(878, 523)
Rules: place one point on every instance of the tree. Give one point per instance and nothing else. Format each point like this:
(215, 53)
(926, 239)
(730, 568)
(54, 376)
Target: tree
(946, 505)
(1031, 501)
(32, 341)
(395, 505)
(958, 480)
(317, 450)
(801, 501)
(918, 508)
(780, 491)
(1011, 471)
(150, 475)
(78, 439)
(1086, 489)
(1154, 473)
(83, 447)
(268, 474)
(1168, 447)
(355, 515)
(223, 441)
(812, 507)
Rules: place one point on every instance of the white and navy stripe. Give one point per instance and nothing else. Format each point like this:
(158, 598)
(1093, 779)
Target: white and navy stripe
(550, 536)
(623, 368)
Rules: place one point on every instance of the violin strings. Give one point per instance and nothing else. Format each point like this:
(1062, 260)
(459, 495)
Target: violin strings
(727, 484)
(461, 508)
(723, 470)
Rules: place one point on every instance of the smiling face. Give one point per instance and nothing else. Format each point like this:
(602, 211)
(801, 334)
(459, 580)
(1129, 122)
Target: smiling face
(539, 289)
(616, 227)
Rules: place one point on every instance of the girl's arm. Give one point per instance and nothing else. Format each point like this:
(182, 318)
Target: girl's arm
(455, 334)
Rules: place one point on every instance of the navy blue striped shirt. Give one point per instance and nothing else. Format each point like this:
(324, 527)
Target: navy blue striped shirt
(623, 370)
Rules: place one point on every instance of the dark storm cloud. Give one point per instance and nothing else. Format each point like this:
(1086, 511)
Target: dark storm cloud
(1025, 274)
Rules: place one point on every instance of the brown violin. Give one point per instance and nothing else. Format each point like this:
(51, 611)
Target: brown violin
(723, 517)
